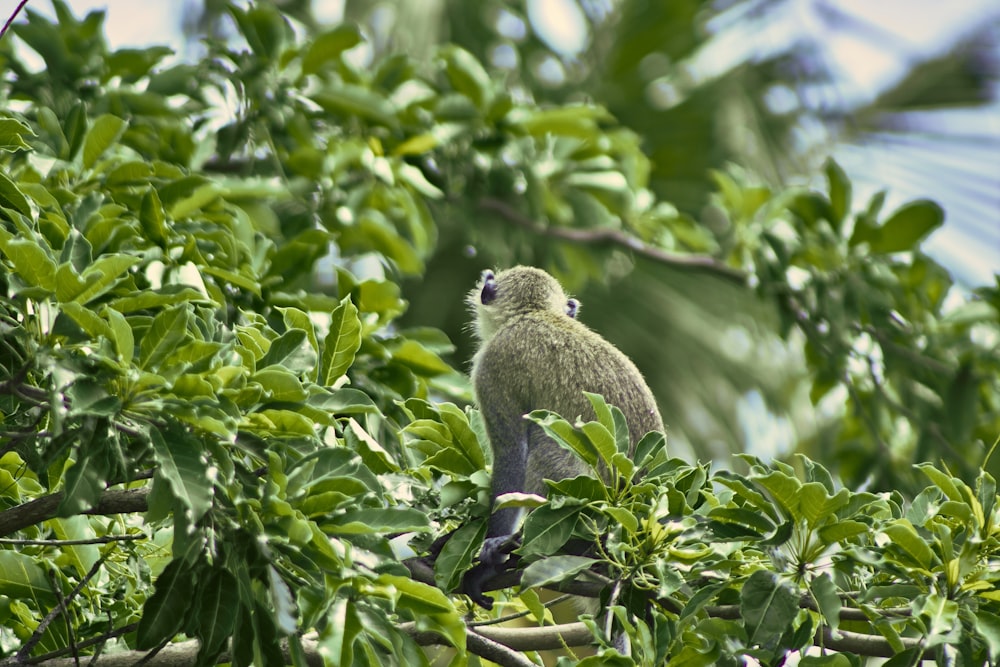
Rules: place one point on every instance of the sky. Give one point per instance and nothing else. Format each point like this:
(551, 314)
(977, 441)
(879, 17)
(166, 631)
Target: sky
(880, 38)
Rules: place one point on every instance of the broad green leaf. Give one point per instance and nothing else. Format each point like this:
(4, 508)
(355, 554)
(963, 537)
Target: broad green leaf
(121, 334)
(282, 347)
(104, 133)
(325, 50)
(166, 610)
(584, 487)
(376, 520)
(840, 192)
(12, 197)
(418, 597)
(181, 465)
(784, 488)
(422, 361)
(282, 602)
(167, 331)
(566, 436)
(988, 627)
(825, 594)
(841, 530)
(85, 480)
(463, 437)
(457, 554)
(467, 75)
(12, 133)
(35, 266)
(22, 577)
(942, 480)
(355, 101)
(602, 440)
(554, 569)
(816, 505)
(280, 385)
(767, 606)
(907, 226)
(101, 276)
(341, 343)
(152, 217)
(904, 536)
(547, 529)
(218, 604)
(87, 320)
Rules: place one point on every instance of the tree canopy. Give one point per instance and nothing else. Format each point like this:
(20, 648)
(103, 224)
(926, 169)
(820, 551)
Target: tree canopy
(234, 422)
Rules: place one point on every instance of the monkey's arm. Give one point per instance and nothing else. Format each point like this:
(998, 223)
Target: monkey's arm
(508, 433)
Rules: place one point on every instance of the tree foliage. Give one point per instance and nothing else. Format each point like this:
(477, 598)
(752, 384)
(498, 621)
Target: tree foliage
(217, 425)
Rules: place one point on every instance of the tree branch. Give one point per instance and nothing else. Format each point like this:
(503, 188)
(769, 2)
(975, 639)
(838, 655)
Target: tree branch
(614, 237)
(113, 501)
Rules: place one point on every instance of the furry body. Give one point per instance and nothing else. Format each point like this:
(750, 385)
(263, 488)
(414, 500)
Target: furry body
(535, 355)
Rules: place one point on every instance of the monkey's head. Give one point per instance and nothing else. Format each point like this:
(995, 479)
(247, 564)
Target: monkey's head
(502, 295)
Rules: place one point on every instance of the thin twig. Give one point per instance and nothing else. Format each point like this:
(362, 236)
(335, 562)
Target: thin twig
(615, 237)
(71, 543)
(10, 20)
(36, 636)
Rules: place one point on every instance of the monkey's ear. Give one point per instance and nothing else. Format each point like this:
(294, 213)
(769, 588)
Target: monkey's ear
(572, 308)
(489, 288)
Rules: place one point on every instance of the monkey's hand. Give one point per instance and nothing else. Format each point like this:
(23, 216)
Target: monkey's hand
(493, 561)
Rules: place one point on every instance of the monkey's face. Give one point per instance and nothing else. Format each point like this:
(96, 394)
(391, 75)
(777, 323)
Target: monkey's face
(500, 296)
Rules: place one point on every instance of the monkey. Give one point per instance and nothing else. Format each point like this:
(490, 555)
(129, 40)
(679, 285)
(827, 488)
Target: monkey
(534, 354)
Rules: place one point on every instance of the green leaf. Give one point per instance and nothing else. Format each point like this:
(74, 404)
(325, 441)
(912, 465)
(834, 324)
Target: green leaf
(988, 627)
(35, 266)
(282, 602)
(767, 606)
(825, 593)
(23, 578)
(905, 228)
(282, 347)
(463, 437)
(418, 597)
(102, 275)
(181, 465)
(86, 479)
(326, 48)
(565, 435)
(816, 505)
(341, 343)
(467, 75)
(457, 554)
(554, 569)
(902, 535)
(840, 192)
(217, 606)
(12, 133)
(121, 334)
(547, 529)
(280, 385)
(167, 331)
(166, 610)
(12, 197)
(105, 132)
(942, 481)
(152, 217)
(374, 520)
(841, 530)
(356, 101)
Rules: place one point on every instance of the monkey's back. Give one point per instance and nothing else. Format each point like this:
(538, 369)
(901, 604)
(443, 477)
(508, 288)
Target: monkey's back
(545, 361)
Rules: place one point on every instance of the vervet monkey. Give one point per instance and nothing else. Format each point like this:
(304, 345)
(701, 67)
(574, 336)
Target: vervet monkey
(535, 355)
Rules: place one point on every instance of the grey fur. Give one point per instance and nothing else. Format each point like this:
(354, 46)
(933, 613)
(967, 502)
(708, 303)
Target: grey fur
(535, 355)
